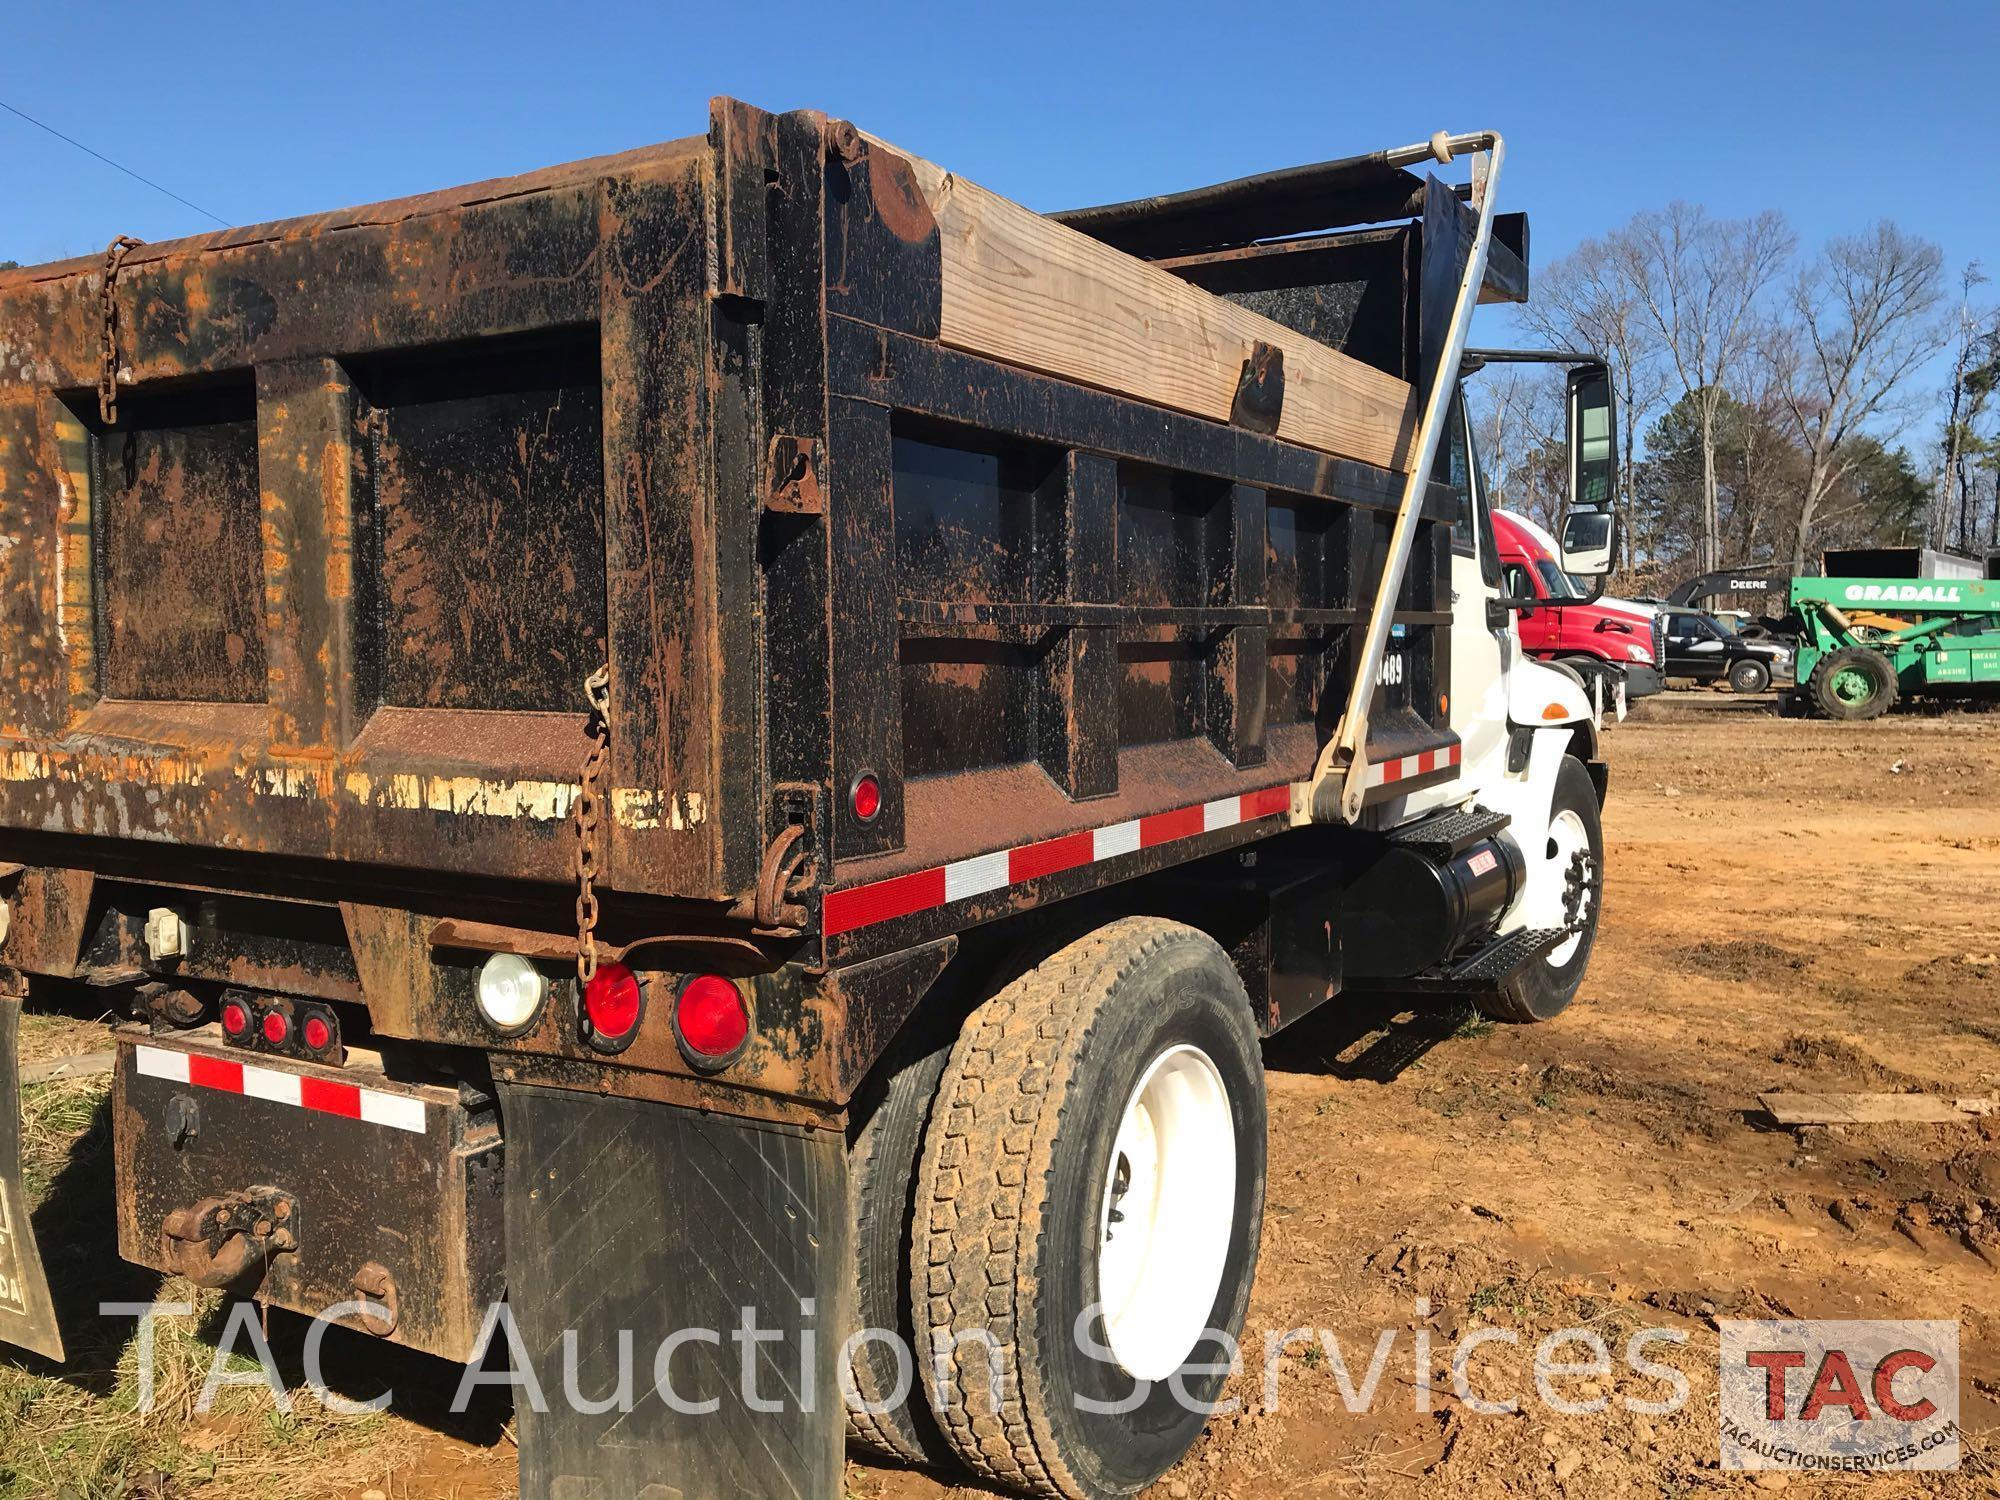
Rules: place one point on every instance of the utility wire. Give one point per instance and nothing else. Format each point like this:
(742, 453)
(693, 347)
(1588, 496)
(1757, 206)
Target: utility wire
(110, 163)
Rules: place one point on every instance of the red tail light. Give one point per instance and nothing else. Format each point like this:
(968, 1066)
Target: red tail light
(867, 796)
(612, 1006)
(711, 1021)
(235, 1020)
(277, 1028)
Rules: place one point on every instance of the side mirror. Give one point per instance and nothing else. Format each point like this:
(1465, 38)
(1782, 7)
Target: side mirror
(1593, 438)
(1589, 543)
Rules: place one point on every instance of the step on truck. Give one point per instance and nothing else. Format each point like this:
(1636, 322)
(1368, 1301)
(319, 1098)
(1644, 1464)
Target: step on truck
(749, 733)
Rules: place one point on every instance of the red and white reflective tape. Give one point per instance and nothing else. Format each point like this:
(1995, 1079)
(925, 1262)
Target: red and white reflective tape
(923, 890)
(226, 1075)
(1403, 768)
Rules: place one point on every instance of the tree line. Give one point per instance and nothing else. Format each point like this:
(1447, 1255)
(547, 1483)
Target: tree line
(1773, 403)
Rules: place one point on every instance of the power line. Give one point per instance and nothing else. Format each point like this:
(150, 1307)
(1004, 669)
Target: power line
(110, 163)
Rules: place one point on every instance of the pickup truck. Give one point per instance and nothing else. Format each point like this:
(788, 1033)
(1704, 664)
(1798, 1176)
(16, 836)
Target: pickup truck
(1702, 648)
(730, 749)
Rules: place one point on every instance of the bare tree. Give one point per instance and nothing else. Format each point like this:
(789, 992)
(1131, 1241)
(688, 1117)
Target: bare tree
(1517, 417)
(1698, 281)
(1968, 331)
(1585, 301)
(1864, 318)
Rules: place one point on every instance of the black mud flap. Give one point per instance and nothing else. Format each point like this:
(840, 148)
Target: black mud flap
(627, 1217)
(27, 1314)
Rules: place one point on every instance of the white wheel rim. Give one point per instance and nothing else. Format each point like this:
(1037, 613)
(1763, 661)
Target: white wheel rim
(1567, 839)
(1171, 1182)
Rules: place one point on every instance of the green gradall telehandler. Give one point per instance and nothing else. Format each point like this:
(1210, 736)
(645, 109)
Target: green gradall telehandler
(1866, 643)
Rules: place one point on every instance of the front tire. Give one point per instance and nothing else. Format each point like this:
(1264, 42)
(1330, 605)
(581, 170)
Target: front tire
(1090, 1201)
(1542, 990)
(1749, 677)
(1854, 683)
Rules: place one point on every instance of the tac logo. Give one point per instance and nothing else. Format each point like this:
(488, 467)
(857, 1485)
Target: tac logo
(1848, 1397)
(1904, 593)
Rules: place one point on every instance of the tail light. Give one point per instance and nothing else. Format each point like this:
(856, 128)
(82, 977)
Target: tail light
(276, 1023)
(711, 1021)
(319, 1034)
(613, 1005)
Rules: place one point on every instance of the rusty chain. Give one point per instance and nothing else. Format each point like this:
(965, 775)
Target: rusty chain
(587, 816)
(107, 299)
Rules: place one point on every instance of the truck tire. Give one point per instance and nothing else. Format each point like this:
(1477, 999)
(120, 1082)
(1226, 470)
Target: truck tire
(1542, 990)
(1749, 677)
(1854, 683)
(1116, 1085)
(882, 1159)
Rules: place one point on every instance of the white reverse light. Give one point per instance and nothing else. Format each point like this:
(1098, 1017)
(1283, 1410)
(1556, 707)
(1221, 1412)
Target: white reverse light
(511, 991)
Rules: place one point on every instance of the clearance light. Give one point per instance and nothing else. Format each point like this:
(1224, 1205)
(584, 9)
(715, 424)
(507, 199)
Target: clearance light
(277, 1027)
(510, 992)
(319, 1031)
(1555, 711)
(612, 1006)
(867, 796)
(710, 1021)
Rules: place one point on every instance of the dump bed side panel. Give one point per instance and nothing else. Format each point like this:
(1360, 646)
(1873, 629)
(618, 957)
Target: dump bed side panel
(380, 489)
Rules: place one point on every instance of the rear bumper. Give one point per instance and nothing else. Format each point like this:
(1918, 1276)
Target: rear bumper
(310, 1186)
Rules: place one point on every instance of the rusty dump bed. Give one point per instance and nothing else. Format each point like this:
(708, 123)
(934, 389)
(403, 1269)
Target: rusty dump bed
(318, 588)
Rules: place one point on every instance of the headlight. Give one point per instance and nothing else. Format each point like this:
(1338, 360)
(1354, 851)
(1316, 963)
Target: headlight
(511, 991)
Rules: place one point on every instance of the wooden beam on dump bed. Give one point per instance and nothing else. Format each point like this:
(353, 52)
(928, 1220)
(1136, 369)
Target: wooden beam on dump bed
(1028, 291)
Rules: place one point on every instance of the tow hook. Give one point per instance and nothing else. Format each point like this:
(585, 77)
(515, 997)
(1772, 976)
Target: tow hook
(229, 1240)
(376, 1287)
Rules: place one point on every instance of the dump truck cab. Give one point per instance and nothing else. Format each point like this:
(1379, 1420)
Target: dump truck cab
(709, 733)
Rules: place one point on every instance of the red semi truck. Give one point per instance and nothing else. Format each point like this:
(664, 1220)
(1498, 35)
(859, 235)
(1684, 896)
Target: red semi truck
(1607, 641)
(724, 754)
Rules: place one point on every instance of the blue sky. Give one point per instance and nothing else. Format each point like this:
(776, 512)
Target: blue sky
(1837, 112)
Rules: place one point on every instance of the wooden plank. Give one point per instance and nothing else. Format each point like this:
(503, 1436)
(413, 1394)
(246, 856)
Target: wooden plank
(80, 1065)
(1026, 290)
(1871, 1109)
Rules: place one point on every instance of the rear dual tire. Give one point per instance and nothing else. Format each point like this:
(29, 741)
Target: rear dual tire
(1113, 1093)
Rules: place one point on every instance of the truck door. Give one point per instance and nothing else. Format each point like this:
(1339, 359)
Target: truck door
(1481, 642)
(1695, 648)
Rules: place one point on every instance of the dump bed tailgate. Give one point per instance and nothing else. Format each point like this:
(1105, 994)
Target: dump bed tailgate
(379, 490)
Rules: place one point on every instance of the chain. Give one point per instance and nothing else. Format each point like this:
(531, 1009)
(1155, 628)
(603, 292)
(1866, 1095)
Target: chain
(107, 377)
(589, 808)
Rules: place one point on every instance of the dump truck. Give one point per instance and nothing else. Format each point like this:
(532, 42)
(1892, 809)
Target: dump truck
(731, 749)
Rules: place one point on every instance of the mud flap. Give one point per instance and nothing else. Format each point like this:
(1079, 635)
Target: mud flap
(631, 1217)
(27, 1313)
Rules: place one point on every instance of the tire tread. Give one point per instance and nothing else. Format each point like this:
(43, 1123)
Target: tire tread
(977, 1238)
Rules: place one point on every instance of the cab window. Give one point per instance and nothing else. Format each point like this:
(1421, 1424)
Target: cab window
(1458, 466)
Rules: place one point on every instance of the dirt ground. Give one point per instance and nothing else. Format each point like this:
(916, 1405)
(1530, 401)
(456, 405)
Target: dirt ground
(1791, 906)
